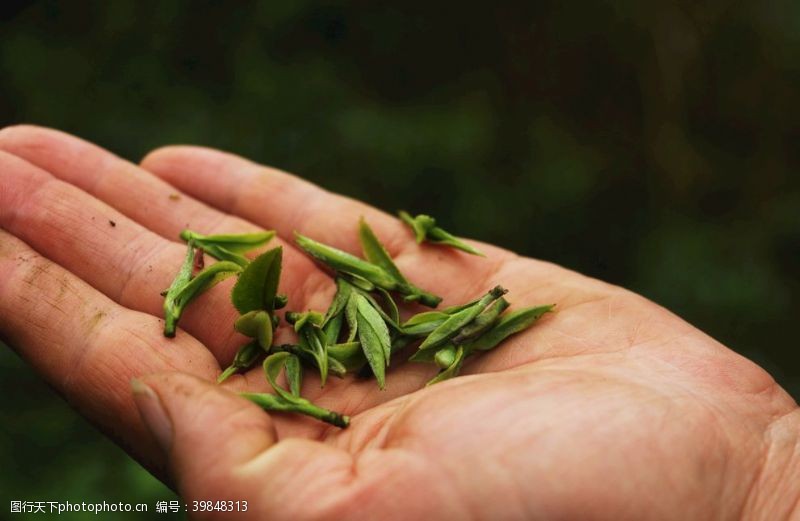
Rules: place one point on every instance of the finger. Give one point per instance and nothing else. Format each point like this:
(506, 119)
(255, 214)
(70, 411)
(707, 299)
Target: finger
(138, 194)
(86, 346)
(203, 429)
(269, 197)
(121, 184)
(119, 257)
(223, 448)
(263, 194)
(209, 435)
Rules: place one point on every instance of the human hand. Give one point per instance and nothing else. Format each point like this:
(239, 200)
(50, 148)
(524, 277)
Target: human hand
(612, 408)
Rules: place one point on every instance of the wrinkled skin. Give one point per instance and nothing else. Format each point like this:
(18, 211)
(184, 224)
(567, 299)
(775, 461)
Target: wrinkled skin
(611, 408)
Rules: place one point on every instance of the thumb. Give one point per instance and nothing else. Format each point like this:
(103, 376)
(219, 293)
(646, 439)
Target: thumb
(204, 430)
(224, 448)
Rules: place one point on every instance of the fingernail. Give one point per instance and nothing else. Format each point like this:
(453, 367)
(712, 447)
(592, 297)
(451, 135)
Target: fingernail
(153, 413)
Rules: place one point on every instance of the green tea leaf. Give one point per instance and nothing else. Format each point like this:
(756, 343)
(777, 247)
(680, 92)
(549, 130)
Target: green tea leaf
(374, 337)
(264, 334)
(245, 358)
(182, 278)
(344, 350)
(452, 310)
(450, 327)
(256, 324)
(452, 371)
(228, 247)
(445, 356)
(299, 320)
(351, 313)
(312, 339)
(439, 236)
(376, 275)
(220, 253)
(248, 323)
(369, 314)
(258, 283)
(272, 368)
(307, 358)
(359, 282)
(210, 277)
(290, 401)
(428, 355)
(235, 243)
(178, 298)
(482, 322)
(339, 302)
(509, 324)
(332, 329)
(272, 279)
(425, 228)
(426, 317)
(420, 230)
(336, 368)
(422, 324)
(386, 317)
(343, 261)
(376, 253)
(349, 354)
(425, 222)
(412, 293)
(271, 402)
(394, 313)
(294, 375)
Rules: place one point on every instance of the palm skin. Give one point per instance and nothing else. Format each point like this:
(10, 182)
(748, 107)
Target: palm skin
(611, 408)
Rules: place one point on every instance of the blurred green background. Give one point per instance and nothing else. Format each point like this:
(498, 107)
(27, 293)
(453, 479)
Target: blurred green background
(653, 145)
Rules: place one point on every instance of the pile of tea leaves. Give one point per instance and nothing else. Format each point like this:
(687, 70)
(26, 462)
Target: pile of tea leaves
(362, 330)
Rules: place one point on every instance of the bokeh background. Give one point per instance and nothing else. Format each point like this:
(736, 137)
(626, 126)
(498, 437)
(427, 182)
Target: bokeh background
(653, 145)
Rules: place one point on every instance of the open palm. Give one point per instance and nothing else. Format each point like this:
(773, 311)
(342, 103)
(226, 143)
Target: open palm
(612, 408)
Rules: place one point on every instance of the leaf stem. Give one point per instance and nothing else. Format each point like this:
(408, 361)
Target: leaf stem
(271, 402)
(227, 373)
